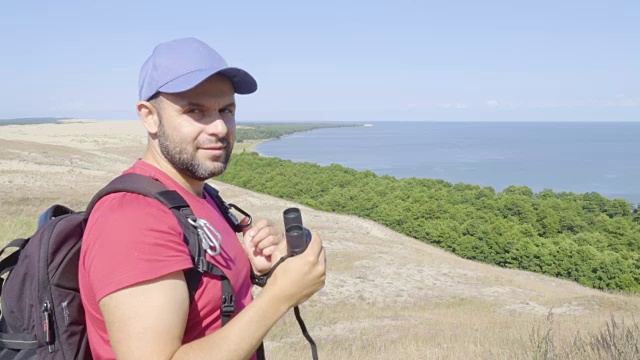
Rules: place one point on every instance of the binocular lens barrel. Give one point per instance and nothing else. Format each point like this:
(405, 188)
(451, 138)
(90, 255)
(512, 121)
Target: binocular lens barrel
(297, 236)
(292, 216)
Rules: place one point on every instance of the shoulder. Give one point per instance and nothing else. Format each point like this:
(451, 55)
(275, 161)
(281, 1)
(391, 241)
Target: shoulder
(124, 222)
(130, 209)
(139, 234)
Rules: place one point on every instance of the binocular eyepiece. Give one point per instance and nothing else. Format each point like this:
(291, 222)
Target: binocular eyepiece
(298, 237)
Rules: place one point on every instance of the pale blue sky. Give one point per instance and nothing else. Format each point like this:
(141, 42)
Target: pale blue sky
(336, 60)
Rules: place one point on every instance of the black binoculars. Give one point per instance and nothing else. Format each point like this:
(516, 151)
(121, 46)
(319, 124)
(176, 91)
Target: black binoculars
(298, 237)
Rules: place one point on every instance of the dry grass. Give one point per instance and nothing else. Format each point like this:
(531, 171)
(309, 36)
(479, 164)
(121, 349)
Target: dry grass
(457, 329)
(616, 339)
(442, 331)
(387, 295)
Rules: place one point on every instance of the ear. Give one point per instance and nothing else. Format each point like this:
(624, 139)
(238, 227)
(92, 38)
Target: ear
(149, 116)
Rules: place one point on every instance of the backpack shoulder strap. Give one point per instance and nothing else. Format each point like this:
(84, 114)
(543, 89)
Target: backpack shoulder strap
(138, 184)
(52, 212)
(10, 261)
(146, 186)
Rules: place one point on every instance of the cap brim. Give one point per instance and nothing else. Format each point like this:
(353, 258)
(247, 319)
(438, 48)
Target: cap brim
(243, 83)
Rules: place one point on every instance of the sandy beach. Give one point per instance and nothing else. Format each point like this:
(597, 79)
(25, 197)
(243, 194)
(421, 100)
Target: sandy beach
(380, 286)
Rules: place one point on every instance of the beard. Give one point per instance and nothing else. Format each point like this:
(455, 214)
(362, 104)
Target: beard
(183, 156)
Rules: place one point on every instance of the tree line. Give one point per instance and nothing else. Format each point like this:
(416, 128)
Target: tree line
(586, 238)
(261, 131)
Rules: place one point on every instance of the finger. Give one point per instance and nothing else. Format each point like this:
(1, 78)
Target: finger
(257, 227)
(322, 259)
(268, 251)
(280, 250)
(268, 242)
(245, 221)
(249, 248)
(271, 240)
(263, 234)
(315, 245)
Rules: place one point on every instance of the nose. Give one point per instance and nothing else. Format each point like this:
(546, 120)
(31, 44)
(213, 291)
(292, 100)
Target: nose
(216, 126)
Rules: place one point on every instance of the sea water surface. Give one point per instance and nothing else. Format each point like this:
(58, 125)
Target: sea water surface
(563, 156)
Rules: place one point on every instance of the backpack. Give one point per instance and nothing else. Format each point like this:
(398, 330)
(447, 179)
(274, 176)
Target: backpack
(41, 312)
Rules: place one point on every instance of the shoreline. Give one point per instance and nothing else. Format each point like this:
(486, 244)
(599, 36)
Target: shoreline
(247, 146)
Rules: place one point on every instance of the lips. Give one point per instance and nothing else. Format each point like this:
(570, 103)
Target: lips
(214, 145)
(214, 148)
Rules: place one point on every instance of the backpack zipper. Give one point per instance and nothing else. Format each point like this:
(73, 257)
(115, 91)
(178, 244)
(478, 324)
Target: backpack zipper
(47, 325)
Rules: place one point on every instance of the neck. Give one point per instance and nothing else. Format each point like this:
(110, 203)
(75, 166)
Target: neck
(153, 157)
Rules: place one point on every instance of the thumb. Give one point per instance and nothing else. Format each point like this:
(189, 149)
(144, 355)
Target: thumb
(246, 221)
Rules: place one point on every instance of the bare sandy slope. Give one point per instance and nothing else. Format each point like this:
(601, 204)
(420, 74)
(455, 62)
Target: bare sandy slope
(370, 266)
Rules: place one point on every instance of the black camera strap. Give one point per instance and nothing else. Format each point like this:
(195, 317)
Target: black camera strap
(261, 281)
(305, 333)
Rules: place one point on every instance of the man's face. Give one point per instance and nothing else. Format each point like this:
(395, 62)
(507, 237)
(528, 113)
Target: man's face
(197, 128)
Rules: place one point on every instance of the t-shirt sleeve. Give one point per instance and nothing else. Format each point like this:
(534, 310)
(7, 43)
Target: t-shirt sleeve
(130, 239)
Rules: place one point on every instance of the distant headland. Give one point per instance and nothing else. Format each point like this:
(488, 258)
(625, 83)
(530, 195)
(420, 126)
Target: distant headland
(34, 120)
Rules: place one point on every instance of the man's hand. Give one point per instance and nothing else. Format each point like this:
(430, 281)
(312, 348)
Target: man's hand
(300, 276)
(264, 245)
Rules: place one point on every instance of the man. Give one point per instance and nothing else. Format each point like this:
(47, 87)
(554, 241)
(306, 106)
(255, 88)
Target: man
(133, 255)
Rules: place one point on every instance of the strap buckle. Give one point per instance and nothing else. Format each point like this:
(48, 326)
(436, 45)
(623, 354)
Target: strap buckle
(259, 280)
(228, 304)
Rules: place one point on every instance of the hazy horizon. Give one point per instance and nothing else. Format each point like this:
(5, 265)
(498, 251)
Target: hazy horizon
(16, 121)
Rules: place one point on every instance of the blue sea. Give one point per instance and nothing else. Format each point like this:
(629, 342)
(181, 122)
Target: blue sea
(577, 157)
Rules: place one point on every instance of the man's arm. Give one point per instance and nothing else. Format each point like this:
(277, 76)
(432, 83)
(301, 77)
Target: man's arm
(147, 320)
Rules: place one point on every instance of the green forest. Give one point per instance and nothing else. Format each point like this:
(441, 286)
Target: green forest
(587, 237)
(261, 131)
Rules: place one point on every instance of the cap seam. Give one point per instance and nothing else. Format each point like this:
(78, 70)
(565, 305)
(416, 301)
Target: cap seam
(179, 76)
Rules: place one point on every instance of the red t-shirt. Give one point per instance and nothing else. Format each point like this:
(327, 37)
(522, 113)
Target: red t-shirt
(131, 238)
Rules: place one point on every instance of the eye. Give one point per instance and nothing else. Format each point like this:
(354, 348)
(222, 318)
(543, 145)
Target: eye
(194, 111)
(227, 111)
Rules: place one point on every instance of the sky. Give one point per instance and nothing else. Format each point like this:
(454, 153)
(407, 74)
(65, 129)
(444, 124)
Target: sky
(333, 60)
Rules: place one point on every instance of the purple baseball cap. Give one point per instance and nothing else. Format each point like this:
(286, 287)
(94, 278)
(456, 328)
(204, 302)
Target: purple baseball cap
(179, 65)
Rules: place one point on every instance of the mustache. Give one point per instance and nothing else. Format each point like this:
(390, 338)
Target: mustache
(223, 141)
